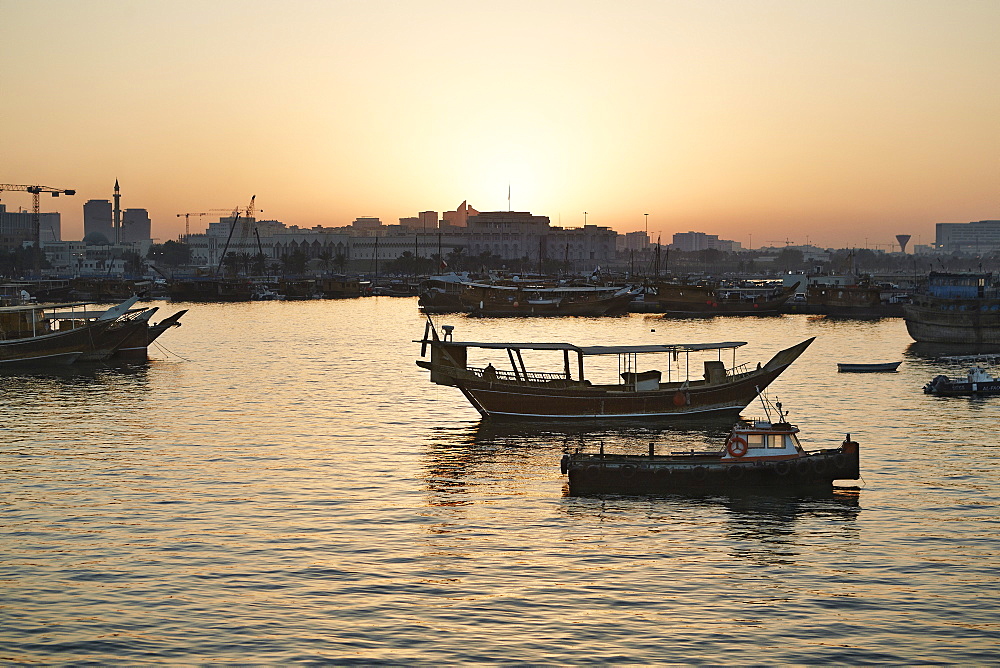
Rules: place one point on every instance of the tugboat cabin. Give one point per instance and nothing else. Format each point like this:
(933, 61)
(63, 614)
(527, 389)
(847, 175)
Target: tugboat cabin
(762, 440)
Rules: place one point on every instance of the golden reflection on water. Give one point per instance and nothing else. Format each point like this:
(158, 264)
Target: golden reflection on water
(294, 489)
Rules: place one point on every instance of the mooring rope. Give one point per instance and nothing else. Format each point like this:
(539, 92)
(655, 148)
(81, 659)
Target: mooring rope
(169, 352)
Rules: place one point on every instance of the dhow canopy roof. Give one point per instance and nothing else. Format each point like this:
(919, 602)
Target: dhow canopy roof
(596, 350)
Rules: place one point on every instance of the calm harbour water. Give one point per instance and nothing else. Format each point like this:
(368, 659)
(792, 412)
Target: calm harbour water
(285, 485)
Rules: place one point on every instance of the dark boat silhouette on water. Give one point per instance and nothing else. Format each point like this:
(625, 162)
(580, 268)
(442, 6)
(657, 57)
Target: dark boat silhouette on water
(759, 455)
(708, 299)
(955, 308)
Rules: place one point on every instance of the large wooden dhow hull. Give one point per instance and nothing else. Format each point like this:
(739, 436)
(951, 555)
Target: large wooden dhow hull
(210, 290)
(111, 340)
(54, 348)
(530, 397)
(966, 321)
(135, 347)
(507, 401)
(693, 300)
(608, 306)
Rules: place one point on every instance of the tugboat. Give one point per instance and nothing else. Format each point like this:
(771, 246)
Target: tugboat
(976, 383)
(758, 455)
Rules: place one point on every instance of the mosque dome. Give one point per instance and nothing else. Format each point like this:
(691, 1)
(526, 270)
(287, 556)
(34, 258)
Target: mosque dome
(96, 239)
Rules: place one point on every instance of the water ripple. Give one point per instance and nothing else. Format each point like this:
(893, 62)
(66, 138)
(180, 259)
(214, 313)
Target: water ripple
(298, 492)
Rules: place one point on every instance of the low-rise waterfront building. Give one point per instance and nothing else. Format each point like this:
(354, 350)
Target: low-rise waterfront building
(696, 241)
(80, 258)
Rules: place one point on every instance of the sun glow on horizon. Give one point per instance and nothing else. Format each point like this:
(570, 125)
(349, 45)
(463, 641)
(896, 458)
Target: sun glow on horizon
(777, 119)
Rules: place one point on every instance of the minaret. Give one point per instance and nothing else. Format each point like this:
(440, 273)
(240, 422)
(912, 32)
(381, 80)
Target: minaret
(117, 223)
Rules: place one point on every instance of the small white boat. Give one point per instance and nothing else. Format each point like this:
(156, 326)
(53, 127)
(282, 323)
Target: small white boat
(879, 367)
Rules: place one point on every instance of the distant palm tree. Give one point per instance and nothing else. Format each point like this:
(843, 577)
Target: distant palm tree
(231, 262)
(259, 264)
(325, 257)
(456, 258)
(245, 260)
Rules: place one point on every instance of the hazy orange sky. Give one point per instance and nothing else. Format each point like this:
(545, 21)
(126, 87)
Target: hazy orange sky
(839, 123)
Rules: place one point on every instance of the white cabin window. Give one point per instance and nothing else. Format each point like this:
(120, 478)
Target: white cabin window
(775, 441)
(755, 440)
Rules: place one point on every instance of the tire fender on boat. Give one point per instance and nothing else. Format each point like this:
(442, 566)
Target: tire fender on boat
(735, 471)
(783, 468)
(628, 471)
(737, 447)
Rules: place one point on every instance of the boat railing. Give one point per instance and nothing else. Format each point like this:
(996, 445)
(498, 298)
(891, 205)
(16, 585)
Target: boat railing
(507, 376)
(738, 371)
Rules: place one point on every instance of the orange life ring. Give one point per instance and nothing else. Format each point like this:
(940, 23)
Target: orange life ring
(737, 447)
(679, 399)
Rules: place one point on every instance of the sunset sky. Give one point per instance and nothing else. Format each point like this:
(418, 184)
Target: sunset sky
(840, 123)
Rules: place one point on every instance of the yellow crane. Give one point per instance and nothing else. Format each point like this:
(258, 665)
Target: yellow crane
(187, 218)
(187, 222)
(36, 192)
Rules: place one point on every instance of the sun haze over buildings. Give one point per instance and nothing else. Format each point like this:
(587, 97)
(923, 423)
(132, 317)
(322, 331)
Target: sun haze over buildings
(776, 119)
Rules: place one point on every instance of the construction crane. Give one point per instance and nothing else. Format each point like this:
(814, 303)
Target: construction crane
(187, 218)
(187, 222)
(36, 192)
(236, 217)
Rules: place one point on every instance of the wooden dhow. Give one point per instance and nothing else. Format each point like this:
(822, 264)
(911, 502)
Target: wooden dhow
(710, 299)
(961, 308)
(74, 332)
(565, 393)
(55, 334)
(495, 300)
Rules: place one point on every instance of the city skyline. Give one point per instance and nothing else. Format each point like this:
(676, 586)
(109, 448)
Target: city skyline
(836, 124)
